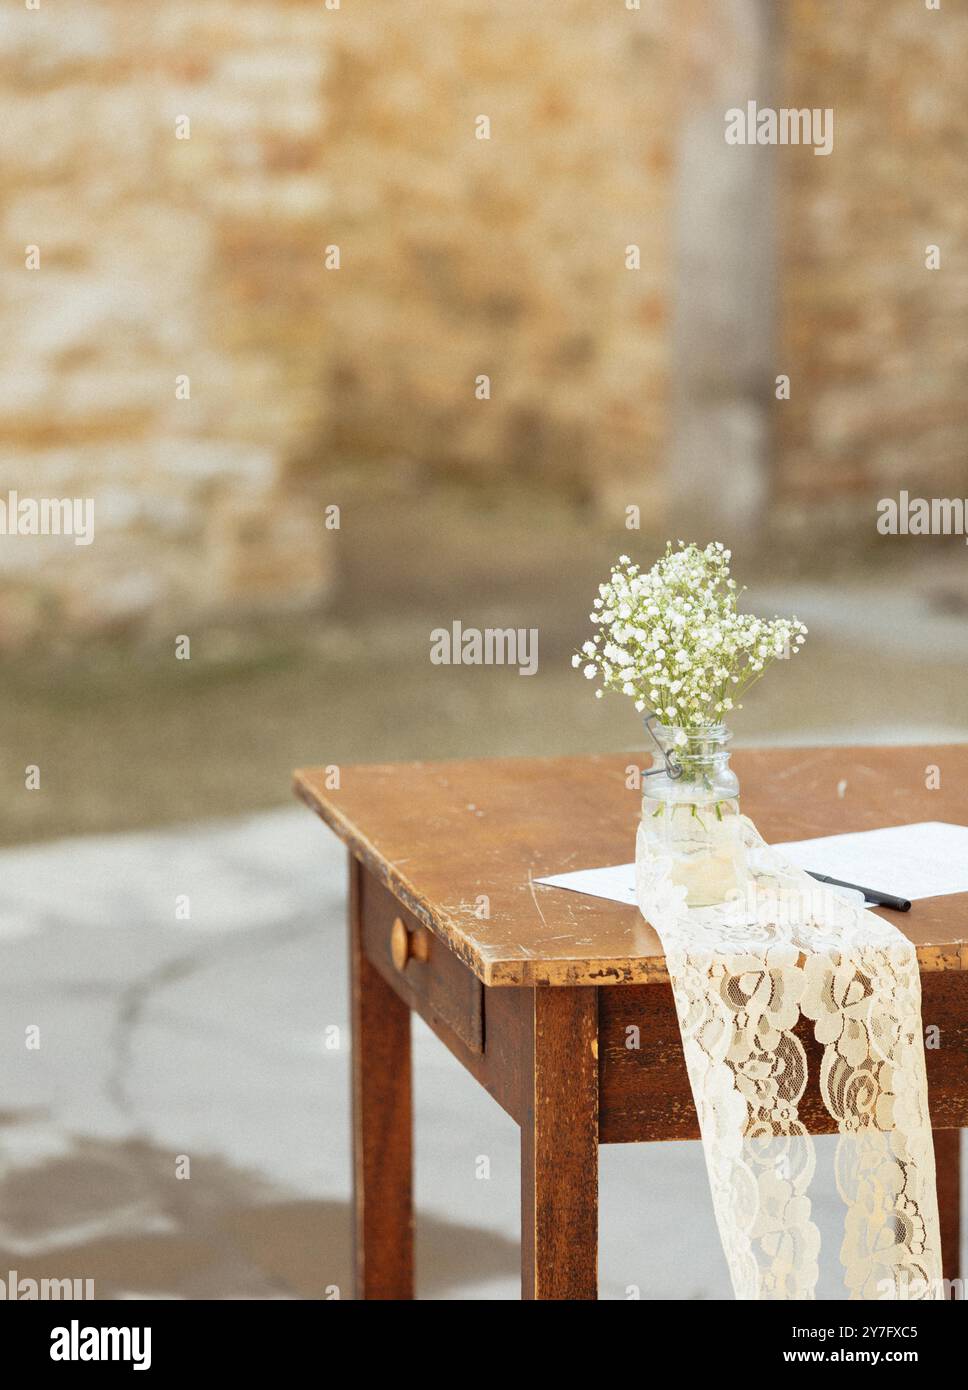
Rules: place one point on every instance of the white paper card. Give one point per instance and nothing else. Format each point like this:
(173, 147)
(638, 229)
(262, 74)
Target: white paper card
(616, 883)
(911, 861)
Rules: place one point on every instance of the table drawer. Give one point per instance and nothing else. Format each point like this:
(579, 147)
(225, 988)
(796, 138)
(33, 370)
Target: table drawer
(420, 967)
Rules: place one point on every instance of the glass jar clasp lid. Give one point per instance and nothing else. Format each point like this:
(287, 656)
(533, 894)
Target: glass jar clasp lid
(671, 767)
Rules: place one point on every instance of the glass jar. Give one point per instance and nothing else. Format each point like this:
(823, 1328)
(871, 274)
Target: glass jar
(690, 814)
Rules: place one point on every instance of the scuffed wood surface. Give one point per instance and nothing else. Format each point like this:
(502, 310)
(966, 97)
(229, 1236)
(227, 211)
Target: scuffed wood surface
(449, 839)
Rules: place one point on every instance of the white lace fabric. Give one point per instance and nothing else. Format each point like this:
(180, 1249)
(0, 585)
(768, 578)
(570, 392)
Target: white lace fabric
(743, 975)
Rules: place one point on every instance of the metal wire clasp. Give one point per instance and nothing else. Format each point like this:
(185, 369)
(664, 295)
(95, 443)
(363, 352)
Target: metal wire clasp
(670, 767)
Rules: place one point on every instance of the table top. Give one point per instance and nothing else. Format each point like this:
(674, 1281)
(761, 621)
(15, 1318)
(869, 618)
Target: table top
(442, 836)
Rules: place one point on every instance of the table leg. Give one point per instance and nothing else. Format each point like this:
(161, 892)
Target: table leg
(559, 1146)
(947, 1159)
(382, 1124)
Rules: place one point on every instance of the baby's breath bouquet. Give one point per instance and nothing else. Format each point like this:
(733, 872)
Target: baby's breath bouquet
(673, 640)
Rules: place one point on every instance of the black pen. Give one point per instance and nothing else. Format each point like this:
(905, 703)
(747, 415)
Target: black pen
(871, 894)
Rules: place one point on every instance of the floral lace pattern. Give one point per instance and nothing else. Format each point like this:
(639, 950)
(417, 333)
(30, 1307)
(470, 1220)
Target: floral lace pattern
(743, 975)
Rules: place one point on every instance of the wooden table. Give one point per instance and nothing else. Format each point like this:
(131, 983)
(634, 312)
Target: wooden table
(533, 988)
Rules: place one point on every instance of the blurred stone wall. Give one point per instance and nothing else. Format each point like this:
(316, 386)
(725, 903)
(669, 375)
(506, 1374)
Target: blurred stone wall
(876, 343)
(162, 258)
(498, 250)
(460, 258)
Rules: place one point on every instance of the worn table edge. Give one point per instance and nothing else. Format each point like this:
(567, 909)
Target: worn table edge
(524, 973)
(397, 882)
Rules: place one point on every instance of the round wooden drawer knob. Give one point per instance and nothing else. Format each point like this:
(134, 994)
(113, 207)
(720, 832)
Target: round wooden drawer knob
(407, 945)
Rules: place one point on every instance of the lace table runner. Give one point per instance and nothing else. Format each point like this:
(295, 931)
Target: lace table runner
(742, 975)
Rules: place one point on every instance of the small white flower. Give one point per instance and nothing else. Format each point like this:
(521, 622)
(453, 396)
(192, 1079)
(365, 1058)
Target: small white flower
(682, 614)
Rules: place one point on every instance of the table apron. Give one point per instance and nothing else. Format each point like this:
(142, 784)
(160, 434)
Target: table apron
(440, 988)
(644, 1091)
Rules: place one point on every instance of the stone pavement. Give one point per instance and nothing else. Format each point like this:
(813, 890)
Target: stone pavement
(212, 1038)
